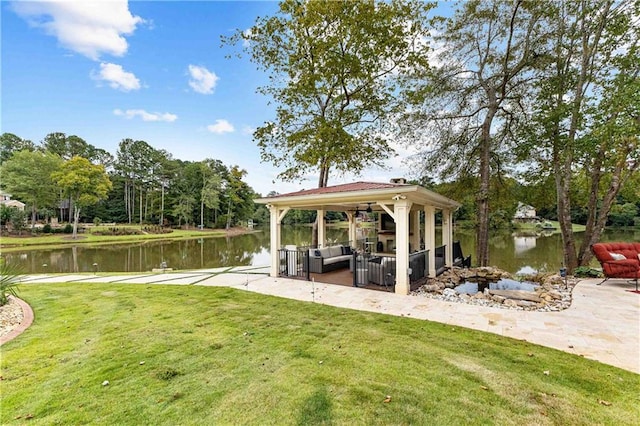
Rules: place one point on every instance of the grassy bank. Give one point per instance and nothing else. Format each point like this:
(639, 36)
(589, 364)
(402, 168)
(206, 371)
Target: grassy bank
(202, 355)
(555, 224)
(39, 241)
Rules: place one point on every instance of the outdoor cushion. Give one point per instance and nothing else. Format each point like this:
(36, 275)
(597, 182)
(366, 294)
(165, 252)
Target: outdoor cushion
(325, 252)
(336, 259)
(335, 251)
(617, 256)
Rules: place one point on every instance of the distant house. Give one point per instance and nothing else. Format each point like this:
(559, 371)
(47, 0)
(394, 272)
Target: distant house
(525, 213)
(6, 200)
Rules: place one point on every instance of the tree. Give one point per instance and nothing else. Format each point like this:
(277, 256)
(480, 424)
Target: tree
(237, 196)
(471, 101)
(210, 192)
(136, 161)
(10, 143)
(18, 220)
(27, 175)
(623, 214)
(587, 111)
(183, 210)
(164, 172)
(5, 214)
(333, 70)
(68, 146)
(84, 183)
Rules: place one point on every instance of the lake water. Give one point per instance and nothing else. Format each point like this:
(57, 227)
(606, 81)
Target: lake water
(508, 251)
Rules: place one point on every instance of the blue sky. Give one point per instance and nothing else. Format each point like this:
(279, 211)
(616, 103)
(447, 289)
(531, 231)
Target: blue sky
(145, 70)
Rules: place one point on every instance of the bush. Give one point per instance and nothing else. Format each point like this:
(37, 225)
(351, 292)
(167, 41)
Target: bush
(68, 229)
(586, 272)
(115, 231)
(9, 279)
(97, 221)
(46, 229)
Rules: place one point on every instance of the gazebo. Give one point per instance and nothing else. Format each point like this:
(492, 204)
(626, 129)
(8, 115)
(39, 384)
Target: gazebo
(400, 201)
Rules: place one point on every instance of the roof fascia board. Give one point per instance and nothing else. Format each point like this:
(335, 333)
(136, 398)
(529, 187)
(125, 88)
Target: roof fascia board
(416, 193)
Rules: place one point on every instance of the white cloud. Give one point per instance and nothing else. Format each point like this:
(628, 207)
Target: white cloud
(146, 116)
(91, 28)
(117, 77)
(221, 126)
(202, 80)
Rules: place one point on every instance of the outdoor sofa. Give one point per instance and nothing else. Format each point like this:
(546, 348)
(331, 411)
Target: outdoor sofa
(329, 259)
(618, 260)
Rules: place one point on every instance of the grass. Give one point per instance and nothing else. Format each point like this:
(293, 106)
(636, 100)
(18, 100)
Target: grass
(204, 355)
(532, 226)
(8, 244)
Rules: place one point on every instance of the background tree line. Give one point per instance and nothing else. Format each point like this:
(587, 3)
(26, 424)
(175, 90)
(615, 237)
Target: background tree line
(145, 185)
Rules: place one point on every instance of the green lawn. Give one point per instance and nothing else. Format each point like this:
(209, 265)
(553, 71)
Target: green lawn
(531, 226)
(201, 355)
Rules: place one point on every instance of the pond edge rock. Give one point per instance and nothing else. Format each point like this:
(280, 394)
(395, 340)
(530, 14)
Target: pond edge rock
(552, 294)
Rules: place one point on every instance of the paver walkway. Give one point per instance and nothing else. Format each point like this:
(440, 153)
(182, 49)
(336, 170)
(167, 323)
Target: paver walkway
(603, 322)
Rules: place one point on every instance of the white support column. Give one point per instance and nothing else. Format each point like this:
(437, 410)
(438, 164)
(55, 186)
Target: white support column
(401, 213)
(275, 220)
(447, 237)
(430, 237)
(352, 229)
(322, 234)
(414, 229)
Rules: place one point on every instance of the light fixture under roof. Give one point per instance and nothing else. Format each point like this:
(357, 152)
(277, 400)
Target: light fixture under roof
(369, 209)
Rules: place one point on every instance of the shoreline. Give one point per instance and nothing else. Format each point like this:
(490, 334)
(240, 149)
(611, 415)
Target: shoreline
(63, 240)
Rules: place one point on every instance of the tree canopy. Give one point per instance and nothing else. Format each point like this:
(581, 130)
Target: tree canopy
(333, 69)
(84, 183)
(27, 175)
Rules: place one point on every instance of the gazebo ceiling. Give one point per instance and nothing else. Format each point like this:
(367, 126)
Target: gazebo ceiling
(359, 195)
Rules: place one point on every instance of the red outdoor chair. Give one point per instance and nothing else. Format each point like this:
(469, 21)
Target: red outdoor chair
(618, 260)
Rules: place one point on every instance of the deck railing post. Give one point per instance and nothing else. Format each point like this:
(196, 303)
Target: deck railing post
(354, 263)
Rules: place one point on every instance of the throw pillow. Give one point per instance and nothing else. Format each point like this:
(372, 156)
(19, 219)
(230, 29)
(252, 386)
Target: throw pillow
(347, 250)
(317, 253)
(617, 256)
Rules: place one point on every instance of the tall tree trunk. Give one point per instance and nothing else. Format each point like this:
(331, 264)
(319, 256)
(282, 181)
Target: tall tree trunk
(201, 212)
(76, 218)
(322, 183)
(162, 206)
(34, 211)
(482, 249)
(140, 213)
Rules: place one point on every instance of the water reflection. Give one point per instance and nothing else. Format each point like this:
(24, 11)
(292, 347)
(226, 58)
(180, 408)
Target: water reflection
(507, 251)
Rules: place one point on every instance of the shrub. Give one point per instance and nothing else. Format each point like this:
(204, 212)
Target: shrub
(46, 229)
(68, 229)
(586, 272)
(97, 221)
(9, 279)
